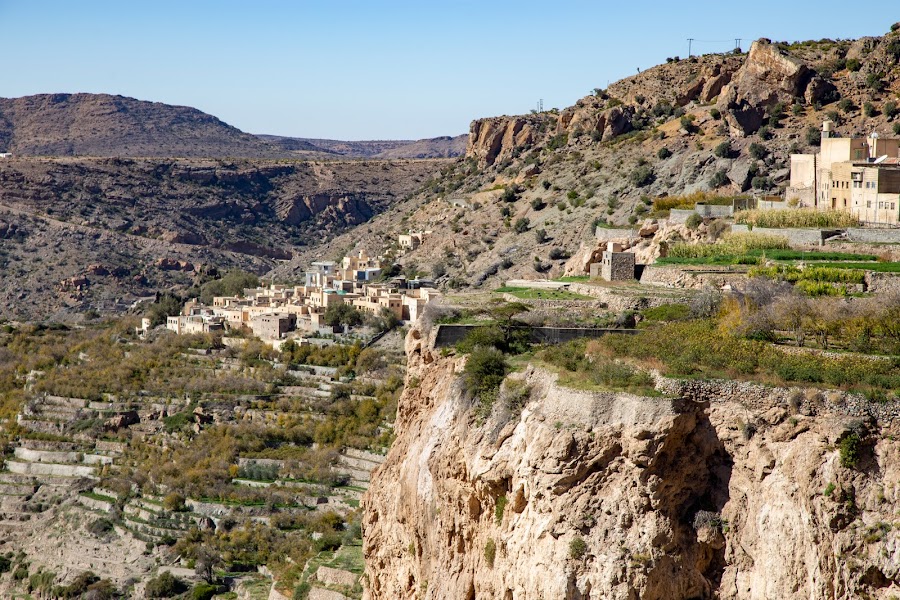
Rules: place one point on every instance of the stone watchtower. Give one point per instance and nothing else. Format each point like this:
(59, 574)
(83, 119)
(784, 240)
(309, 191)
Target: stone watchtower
(614, 265)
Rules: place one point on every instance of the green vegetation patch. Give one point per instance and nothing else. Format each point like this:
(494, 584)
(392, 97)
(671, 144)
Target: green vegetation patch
(700, 348)
(541, 294)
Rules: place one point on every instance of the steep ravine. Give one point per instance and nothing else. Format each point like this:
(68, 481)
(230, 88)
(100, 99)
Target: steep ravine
(628, 476)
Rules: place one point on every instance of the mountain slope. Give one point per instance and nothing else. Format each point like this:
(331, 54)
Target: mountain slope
(105, 125)
(532, 188)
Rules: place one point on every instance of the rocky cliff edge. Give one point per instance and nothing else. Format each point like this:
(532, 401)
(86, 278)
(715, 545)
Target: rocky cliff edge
(708, 491)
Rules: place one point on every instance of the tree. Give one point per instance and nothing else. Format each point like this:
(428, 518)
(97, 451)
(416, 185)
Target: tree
(207, 560)
(166, 305)
(889, 109)
(233, 283)
(521, 225)
(342, 314)
(164, 585)
(664, 153)
(813, 136)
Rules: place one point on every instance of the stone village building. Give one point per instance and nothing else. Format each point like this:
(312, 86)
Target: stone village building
(857, 175)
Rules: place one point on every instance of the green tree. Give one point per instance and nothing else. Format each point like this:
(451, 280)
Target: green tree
(342, 314)
(166, 305)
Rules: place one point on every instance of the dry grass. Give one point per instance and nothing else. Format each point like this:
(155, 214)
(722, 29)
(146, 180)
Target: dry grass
(795, 217)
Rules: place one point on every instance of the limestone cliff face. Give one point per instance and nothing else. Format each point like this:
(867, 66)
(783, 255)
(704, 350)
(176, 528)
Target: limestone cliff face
(702, 493)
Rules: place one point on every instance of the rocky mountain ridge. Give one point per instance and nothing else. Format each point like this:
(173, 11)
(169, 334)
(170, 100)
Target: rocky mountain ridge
(103, 125)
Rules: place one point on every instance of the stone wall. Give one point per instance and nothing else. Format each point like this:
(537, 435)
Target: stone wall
(883, 283)
(795, 237)
(712, 211)
(681, 277)
(873, 235)
(607, 234)
(448, 335)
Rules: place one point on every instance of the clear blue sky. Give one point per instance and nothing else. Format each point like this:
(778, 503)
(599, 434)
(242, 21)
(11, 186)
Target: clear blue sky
(357, 69)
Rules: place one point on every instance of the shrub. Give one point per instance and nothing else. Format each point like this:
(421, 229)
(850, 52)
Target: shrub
(708, 518)
(642, 176)
(664, 153)
(760, 182)
(718, 179)
(484, 372)
(853, 64)
(540, 235)
(715, 113)
(510, 193)
(758, 151)
(875, 82)
(559, 254)
(813, 136)
(796, 109)
(896, 128)
(765, 132)
(174, 502)
(868, 109)
(499, 507)
(693, 221)
(845, 104)
(577, 547)
(537, 204)
(164, 585)
(490, 552)
(204, 591)
(521, 225)
(889, 109)
(100, 527)
(723, 150)
(848, 449)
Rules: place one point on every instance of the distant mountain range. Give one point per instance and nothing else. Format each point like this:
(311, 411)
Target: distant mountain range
(103, 125)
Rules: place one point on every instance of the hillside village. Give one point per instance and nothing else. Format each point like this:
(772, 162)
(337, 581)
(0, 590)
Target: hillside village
(271, 313)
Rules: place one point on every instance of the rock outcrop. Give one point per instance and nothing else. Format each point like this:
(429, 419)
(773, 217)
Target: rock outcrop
(768, 76)
(609, 495)
(495, 137)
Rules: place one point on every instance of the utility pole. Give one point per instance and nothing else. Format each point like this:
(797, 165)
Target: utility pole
(737, 43)
(540, 105)
(690, 41)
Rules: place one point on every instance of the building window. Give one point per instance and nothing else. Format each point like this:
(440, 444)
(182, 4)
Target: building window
(868, 204)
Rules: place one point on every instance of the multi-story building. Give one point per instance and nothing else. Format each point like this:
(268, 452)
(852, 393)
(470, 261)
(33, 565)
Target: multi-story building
(857, 175)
